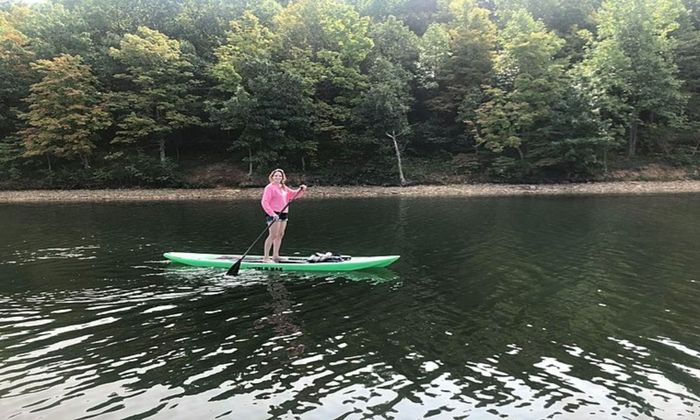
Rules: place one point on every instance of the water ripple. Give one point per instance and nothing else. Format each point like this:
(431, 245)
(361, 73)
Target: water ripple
(542, 308)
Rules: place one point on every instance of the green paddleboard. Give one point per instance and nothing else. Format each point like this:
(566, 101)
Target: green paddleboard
(287, 263)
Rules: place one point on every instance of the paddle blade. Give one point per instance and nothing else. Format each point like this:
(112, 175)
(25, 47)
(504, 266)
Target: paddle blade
(233, 271)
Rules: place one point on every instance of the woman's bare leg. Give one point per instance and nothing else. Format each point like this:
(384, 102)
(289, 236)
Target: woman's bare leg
(268, 245)
(270, 241)
(277, 241)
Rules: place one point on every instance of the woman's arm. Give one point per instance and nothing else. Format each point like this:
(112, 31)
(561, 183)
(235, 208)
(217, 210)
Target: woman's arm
(266, 201)
(296, 193)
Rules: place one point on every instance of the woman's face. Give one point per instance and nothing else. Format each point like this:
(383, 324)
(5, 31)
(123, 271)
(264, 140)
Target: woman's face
(277, 177)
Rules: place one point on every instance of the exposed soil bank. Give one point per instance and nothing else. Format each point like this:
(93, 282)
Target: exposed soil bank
(467, 190)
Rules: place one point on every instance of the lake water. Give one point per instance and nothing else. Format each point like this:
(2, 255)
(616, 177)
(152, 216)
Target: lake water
(523, 308)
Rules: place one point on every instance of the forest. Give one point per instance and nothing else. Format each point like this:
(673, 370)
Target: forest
(193, 93)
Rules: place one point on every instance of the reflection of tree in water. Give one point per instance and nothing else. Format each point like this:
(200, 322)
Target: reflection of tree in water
(281, 319)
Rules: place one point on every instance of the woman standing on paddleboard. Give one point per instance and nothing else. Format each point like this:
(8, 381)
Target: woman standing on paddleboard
(275, 200)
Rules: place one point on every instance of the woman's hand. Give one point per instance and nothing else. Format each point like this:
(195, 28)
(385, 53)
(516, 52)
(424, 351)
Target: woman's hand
(303, 187)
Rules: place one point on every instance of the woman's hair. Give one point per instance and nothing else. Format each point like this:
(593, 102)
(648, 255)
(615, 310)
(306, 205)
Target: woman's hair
(284, 177)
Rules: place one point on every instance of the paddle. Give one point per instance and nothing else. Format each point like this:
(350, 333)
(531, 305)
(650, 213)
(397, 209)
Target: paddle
(233, 271)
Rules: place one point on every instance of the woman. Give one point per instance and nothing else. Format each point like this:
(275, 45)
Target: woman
(274, 202)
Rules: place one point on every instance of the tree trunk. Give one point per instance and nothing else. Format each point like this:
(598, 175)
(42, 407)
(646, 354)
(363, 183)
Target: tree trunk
(48, 159)
(632, 145)
(161, 141)
(393, 137)
(250, 162)
(605, 159)
(303, 164)
(86, 162)
(162, 151)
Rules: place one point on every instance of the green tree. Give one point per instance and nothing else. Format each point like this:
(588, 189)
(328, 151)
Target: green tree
(66, 111)
(385, 105)
(394, 41)
(459, 72)
(156, 99)
(416, 14)
(120, 17)
(630, 68)
(688, 59)
(55, 29)
(529, 85)
(469, 65)
(564, 17)
(248, 42)
(268, 108)
(15, 79)
(15, 57)
(248, 46)
(433, 52)
(204, 22)
(325, 42)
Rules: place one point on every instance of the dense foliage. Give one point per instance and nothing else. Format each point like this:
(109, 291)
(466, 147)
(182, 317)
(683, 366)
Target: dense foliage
(130, 92)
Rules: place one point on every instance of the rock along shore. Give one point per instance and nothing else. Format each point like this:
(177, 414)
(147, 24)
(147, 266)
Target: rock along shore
(465, 190)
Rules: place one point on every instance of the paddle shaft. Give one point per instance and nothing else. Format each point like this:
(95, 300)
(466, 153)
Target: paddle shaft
(233, 271)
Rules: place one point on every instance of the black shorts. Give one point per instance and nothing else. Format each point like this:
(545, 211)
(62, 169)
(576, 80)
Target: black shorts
(283, 217)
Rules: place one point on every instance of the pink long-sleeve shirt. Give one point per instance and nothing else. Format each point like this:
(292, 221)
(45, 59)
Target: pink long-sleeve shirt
(274, 198)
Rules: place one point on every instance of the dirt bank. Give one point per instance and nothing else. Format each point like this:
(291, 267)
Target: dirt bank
(474, 190)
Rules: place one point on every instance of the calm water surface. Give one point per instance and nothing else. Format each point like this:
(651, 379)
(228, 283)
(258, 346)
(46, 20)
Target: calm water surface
(523, 308)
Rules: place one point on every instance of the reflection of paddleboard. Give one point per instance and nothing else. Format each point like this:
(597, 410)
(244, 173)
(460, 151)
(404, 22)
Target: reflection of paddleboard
(371, 275)
(287, 263)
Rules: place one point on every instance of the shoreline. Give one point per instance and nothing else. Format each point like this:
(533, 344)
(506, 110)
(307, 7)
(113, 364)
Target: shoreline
(458, 190)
